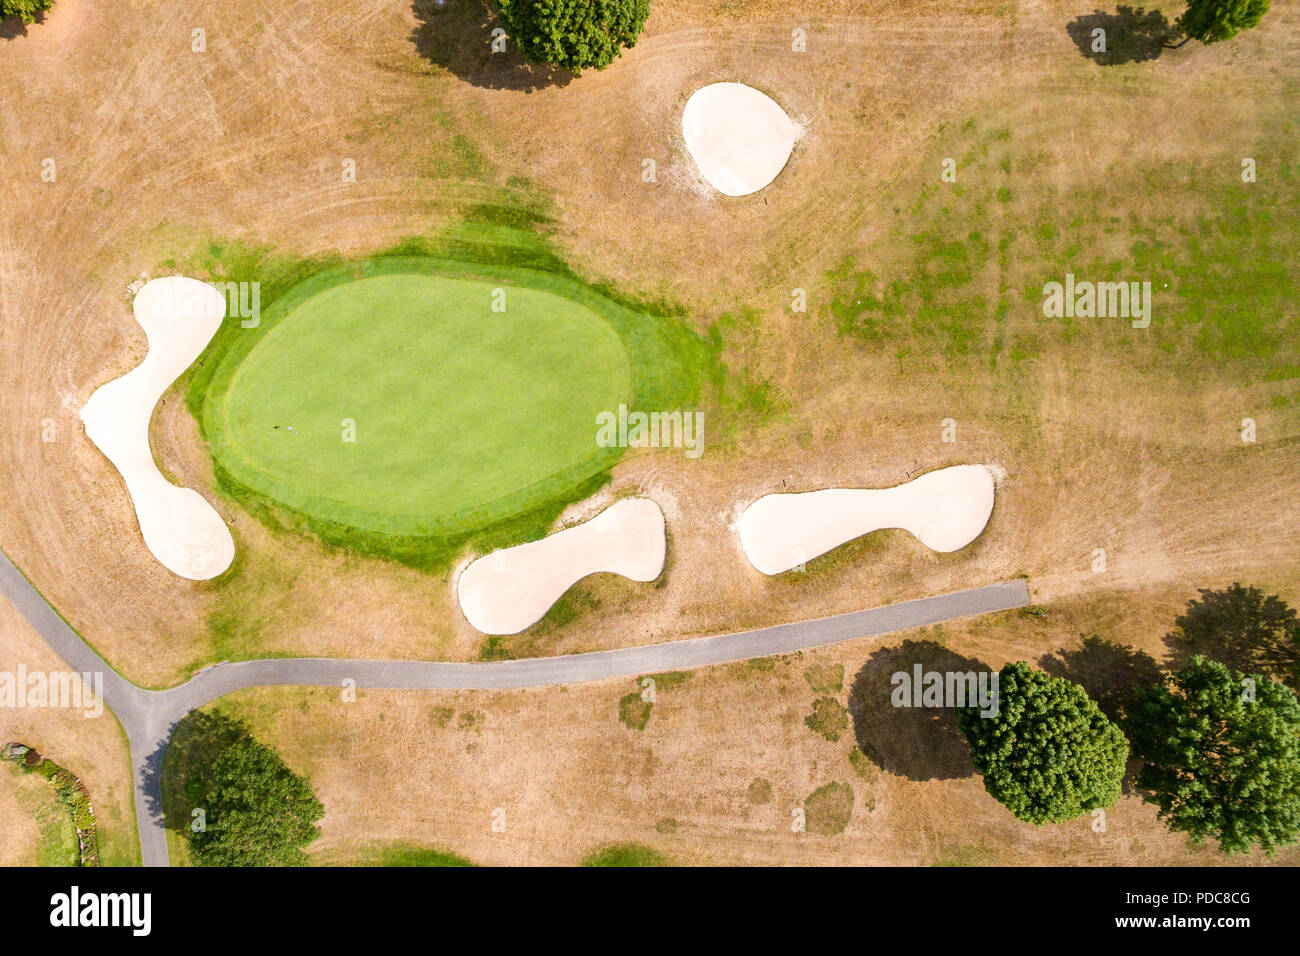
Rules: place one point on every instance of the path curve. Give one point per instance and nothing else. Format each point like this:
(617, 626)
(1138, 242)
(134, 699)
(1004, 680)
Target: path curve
(149, 716)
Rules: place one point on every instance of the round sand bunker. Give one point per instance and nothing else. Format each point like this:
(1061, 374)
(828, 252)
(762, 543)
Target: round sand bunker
(739, 138)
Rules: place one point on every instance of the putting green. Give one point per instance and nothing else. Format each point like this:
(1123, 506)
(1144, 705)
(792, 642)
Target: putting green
(463, 416)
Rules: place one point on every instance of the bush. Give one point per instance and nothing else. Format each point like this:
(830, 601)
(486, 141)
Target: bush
(574, 34)
(1213, 20)
(258, 811)
(25, 10)
(1049, 754)
(1221, 756)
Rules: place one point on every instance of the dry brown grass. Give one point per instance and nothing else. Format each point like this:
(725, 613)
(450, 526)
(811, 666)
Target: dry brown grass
(402, 767)
(93, 748)
(159, 148)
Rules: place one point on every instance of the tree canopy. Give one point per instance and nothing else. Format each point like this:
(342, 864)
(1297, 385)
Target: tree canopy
(1049, 754)
(256, 811)
(1213, 20)
(574, 34)
(1221, 756)
(25, 10)
(1244, 629)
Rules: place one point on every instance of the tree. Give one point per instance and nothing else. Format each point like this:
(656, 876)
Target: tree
(574, 34)
(1049, 754)
(256, 811)
(1213, 20)
(1243, 629)
(25, 10)
(1221, 756)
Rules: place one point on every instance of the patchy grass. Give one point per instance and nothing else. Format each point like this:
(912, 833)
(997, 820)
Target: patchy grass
(863, 765)
(825, 678)
(634, 712)
(626, 854)
(829, 718)
(406, 854)
(829, 808)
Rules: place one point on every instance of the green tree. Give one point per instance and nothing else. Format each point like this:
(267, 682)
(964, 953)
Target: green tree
(257, 812)
(1049, 754)
(1244, 629)
(25, 10)
(1213, 20)
(574, 34)
(1219, 760)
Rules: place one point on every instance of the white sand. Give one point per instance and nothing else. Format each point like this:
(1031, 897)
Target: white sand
(179, 317)
(739, 138)
(946, 509)
(508, 590)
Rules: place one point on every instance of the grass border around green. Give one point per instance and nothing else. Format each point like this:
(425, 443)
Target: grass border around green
(671, 367)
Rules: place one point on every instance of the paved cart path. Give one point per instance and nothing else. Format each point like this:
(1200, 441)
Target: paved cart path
(149, 716)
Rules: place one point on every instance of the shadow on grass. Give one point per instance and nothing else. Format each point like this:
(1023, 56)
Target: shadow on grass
(14, 27)
(183, 770)
(1111, 673)
(919, 743)
(1132, 35)
(457, 36)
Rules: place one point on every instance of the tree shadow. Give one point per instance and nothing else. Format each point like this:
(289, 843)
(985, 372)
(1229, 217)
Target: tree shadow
(1241, 628)
(14, 27)
(915, 742)
(457, 36)
(1132, 35)
(1111, 673)
(181, 768)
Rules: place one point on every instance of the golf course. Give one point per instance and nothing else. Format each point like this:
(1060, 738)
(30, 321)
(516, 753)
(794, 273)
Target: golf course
(413, 399)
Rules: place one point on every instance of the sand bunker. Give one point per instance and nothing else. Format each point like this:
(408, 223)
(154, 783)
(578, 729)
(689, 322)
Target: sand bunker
(179, 317)
(946, 509)
(739, 138)
(508, 590)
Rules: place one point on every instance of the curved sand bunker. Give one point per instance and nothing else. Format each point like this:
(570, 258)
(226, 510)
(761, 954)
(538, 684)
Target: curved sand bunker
(946, 509)
(179, 317)
(739, 138)
(508, 590)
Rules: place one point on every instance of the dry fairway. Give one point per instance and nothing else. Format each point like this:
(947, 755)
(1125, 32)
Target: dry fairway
(1104, 447)
(566, 775)
(93, 748)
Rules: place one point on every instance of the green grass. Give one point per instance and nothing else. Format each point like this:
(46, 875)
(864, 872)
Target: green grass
(470, 424)
(462, 417)
(406, 854)
(965, 854)
(959, 277)
(626, 854)
(58, 840)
